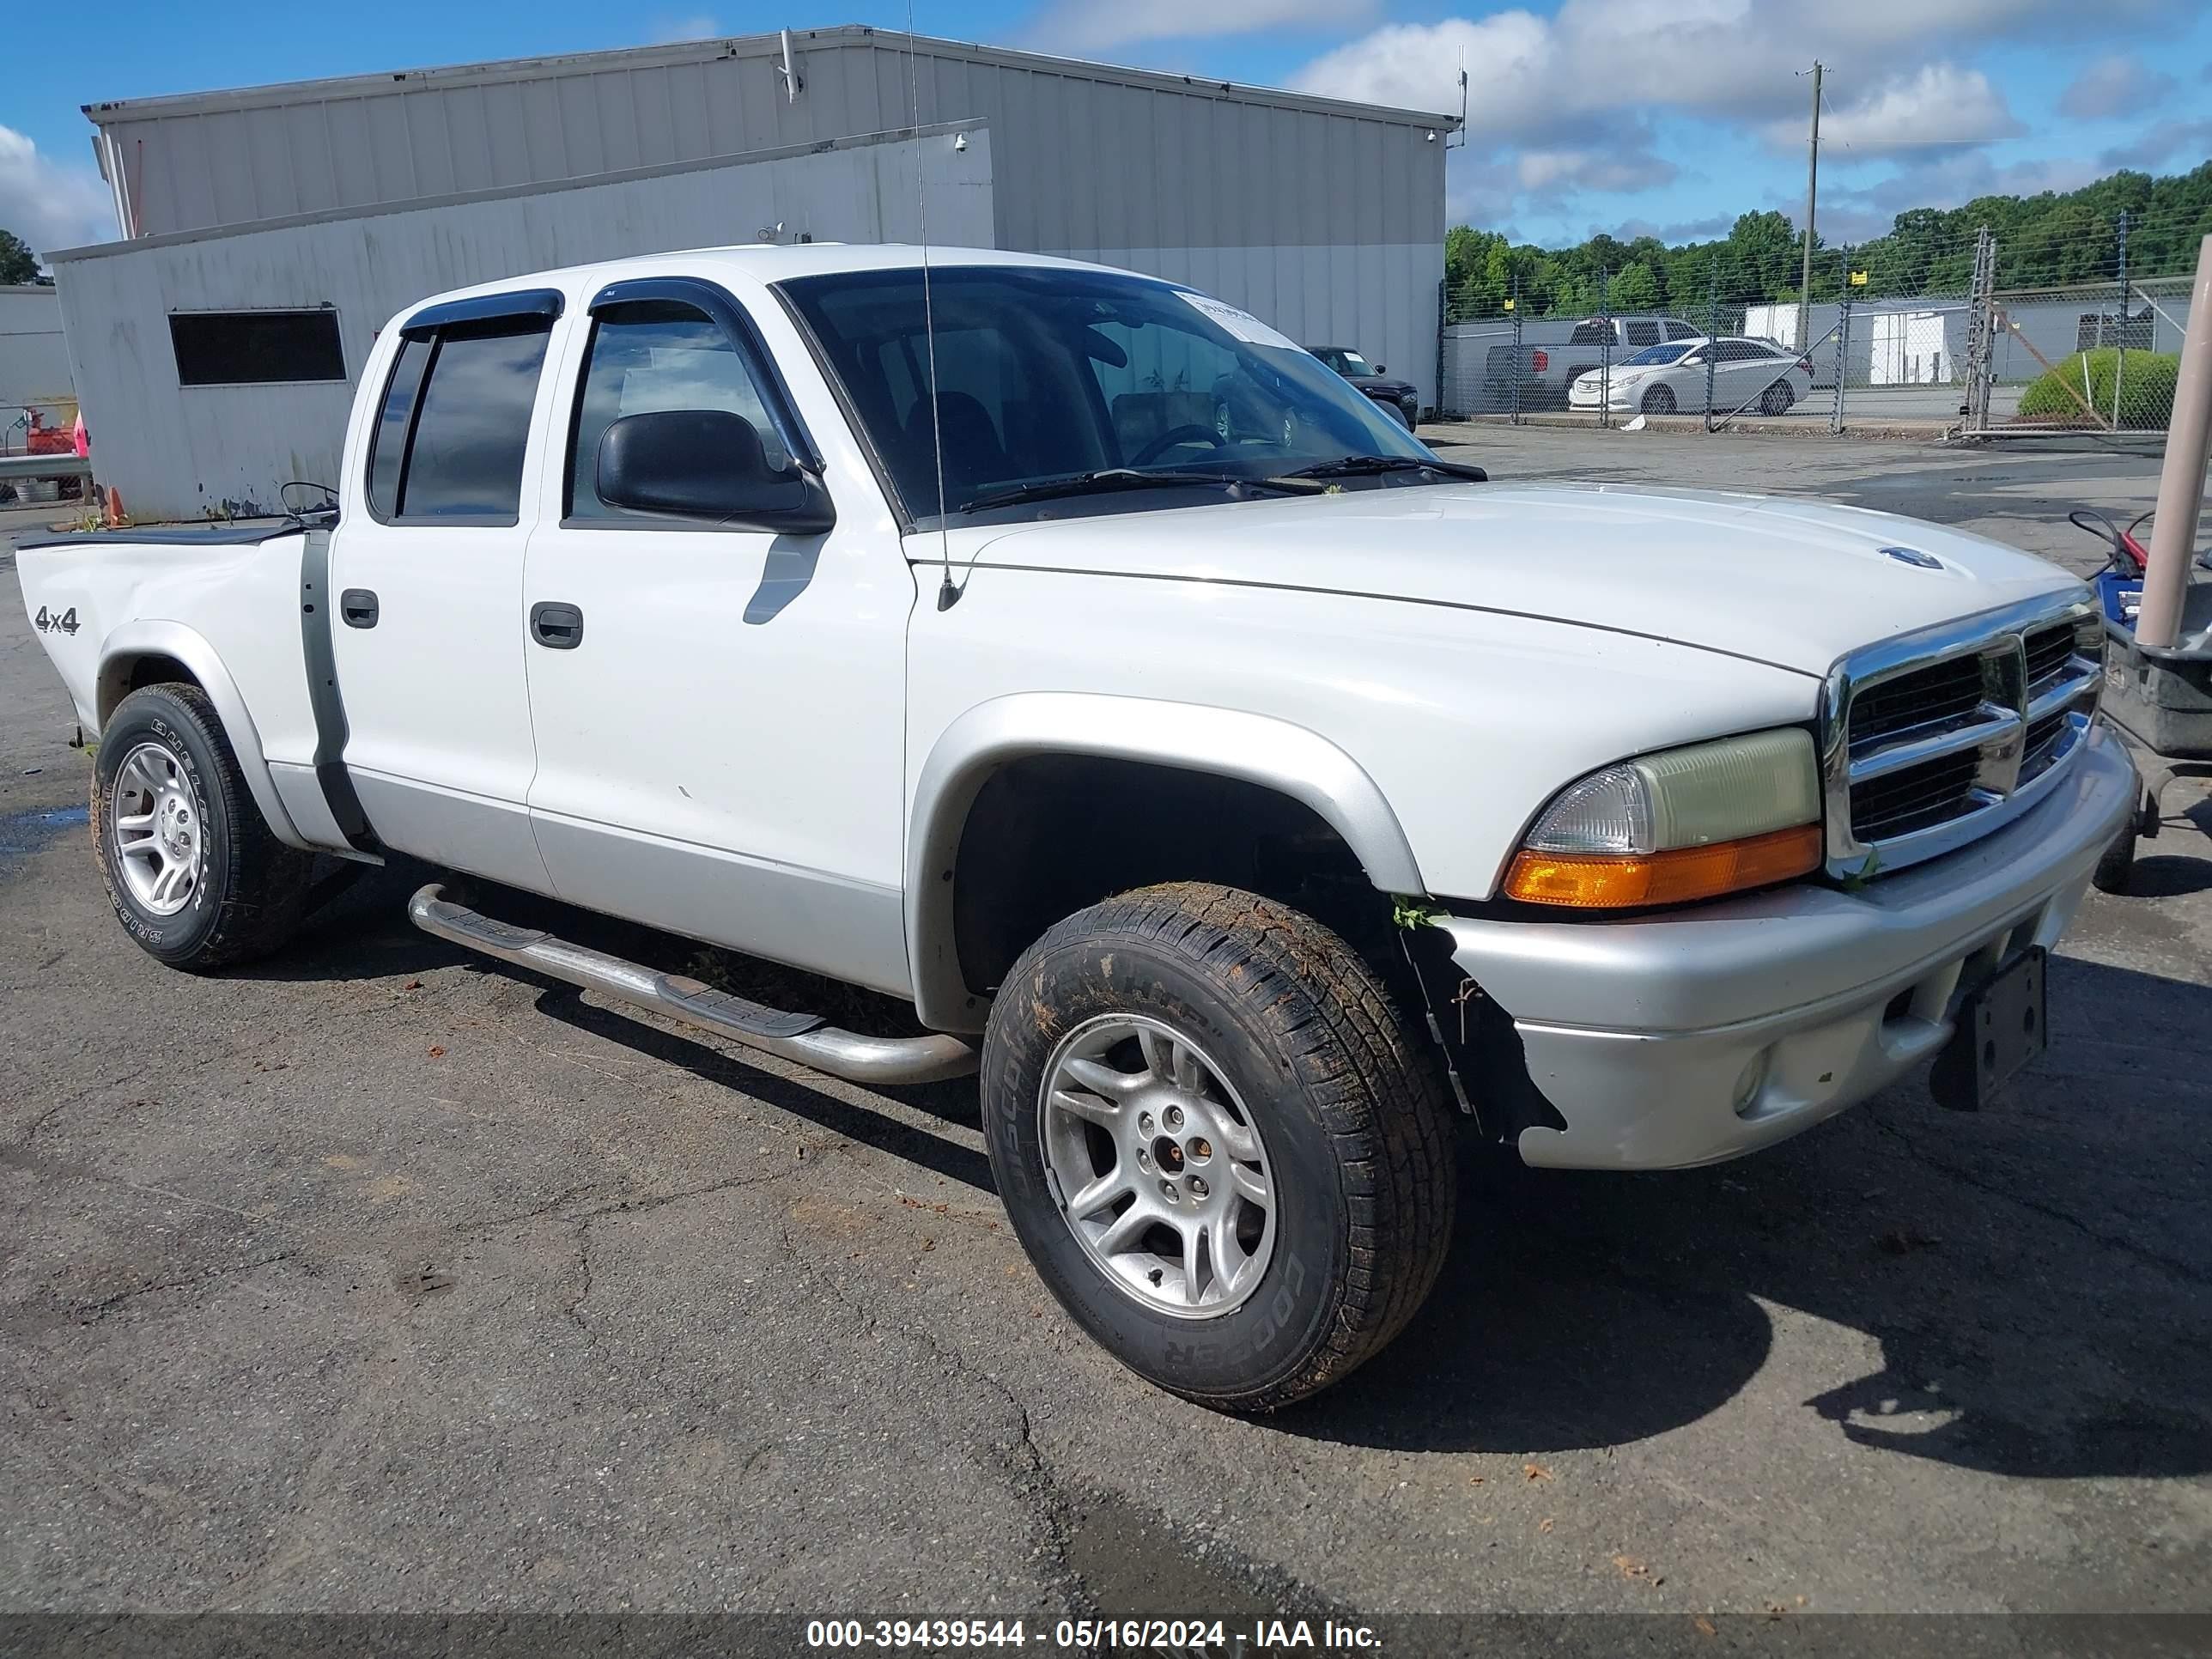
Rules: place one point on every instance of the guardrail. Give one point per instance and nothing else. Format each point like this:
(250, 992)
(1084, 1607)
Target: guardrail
(44, 467)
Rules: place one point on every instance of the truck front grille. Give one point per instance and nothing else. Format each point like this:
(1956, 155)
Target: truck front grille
(1939, 738)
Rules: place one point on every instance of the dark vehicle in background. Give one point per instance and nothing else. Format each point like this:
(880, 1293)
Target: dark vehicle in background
(1398, 397)
(1546, 369)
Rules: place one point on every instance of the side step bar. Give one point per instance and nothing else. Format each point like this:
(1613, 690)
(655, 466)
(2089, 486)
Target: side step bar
(803, 1037)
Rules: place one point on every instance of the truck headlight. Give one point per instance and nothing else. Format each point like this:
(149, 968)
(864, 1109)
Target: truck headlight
(1678, 825)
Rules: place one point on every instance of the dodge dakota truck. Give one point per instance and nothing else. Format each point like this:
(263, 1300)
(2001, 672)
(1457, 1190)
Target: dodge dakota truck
(1272, 816)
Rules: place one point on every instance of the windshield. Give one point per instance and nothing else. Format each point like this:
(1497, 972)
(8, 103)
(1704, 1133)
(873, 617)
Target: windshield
(1664, 354)
(1348, 362)
(1046, 374)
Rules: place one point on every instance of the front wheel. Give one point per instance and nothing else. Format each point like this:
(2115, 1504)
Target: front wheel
(191, 868)
(1660, 400)
(1226, 1154)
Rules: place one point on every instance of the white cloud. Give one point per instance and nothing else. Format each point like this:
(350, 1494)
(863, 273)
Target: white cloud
(1587, 81)
(49, 205)
(1588, 169)
(1941, 104)
(2183, 142)
(1084, 25)
(667, 30)
(1736, 60)
(2119, 84)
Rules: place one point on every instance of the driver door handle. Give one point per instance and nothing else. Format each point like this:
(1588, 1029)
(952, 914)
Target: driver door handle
(557, 627)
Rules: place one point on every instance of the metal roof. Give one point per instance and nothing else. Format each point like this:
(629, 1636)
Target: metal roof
(277, 94)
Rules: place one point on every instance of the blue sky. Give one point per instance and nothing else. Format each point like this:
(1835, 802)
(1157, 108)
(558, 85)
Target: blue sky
(1671, 116)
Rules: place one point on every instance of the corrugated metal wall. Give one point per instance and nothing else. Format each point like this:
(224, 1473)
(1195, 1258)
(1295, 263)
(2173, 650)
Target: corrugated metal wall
(1324, 219)
(180, 451)
(1091, 157)
(33, 361)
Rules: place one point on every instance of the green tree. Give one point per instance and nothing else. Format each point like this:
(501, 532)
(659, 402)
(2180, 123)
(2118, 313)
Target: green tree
(17, 263)
(1635, 289)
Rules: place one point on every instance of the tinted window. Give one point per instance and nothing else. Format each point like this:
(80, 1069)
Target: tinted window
(1590, 334)
(456, 422)
(657, 355)
(1681, 331)
(1042, 374)
(256, 348)
(1643, 334)
(388, 451)
(1736, 351)
(1658, 354)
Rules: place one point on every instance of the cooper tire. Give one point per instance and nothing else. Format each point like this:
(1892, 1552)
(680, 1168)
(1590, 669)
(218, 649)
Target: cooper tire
(1303, 1039)
(248, 891)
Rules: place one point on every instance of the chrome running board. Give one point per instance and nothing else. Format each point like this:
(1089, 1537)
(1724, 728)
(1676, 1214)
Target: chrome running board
(805, 1038)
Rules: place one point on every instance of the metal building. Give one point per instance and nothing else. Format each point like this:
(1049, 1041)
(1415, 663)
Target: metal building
(34, 371)
(360, 194)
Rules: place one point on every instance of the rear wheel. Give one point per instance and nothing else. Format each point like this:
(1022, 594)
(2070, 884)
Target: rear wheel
(1224, 1153)
(191, 867)
(1776, 398)
(1660, 400)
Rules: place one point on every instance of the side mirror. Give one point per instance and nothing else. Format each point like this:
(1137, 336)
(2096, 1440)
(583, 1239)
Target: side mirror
(1381, 368)
(707, 464)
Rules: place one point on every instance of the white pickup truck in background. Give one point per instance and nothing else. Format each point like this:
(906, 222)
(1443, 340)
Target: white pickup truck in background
(1266, 806)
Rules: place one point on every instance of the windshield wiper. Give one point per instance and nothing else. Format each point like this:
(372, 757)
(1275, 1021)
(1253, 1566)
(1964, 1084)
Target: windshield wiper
(1358, 466)
(1120, 477)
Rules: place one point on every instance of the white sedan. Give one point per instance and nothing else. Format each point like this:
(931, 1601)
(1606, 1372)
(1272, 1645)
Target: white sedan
(1662, 378)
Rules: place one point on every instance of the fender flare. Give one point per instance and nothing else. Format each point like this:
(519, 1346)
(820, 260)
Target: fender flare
(1257, 748)
(134, 640)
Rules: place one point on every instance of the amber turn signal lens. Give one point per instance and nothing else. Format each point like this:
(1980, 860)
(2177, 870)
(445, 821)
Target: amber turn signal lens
(1616, 881)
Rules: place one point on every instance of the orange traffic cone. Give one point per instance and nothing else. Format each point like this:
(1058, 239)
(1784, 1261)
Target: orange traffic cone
(112, 510)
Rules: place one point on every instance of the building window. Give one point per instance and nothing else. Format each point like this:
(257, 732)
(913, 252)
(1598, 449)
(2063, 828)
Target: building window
(256, 348)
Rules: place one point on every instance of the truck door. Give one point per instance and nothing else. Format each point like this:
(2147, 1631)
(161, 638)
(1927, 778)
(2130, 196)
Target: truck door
(427, 574)
(719, 711)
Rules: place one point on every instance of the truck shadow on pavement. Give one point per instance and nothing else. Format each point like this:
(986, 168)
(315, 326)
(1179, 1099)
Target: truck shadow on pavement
(2027, 1290)
(2037, 1277)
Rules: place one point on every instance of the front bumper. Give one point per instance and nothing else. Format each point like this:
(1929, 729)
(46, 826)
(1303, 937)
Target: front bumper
(1617, 398)
(1708, 1032)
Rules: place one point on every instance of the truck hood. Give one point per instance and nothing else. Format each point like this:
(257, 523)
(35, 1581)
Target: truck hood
(1790, 582)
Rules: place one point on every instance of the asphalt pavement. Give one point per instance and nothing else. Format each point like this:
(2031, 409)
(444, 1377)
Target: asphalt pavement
(379, 1278)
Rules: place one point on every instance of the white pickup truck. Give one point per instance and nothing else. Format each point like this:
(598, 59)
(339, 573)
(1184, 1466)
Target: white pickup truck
(1264, 804)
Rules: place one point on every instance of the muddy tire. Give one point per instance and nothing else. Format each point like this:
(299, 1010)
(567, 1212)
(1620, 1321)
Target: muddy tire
(191, 868)
(1227, 1155)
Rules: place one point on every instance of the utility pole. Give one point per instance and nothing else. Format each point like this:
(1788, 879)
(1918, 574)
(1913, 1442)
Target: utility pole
(1812, 199)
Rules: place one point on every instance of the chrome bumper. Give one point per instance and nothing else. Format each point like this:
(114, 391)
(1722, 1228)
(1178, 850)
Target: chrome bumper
(1710, 1032)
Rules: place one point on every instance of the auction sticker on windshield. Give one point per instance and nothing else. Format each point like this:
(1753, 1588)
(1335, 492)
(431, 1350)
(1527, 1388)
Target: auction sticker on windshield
(1242, 324)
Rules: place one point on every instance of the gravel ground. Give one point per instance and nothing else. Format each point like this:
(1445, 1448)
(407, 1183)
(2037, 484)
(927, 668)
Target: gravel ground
(378, 1279)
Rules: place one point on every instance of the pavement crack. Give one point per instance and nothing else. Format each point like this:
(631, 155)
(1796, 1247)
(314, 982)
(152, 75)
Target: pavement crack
(1967, 1177)
(89, 1312)
(1027, 1469)
(575, 1310)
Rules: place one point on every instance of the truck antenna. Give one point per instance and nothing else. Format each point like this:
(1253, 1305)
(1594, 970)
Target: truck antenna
(947, 594)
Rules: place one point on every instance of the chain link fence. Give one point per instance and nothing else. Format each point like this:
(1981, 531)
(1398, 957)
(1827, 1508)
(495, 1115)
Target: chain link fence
(1964, 354)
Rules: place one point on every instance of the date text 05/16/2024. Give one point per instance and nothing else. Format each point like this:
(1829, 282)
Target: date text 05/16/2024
(1179, 1636)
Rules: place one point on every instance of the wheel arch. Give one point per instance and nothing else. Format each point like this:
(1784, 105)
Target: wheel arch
(1259, 750)
(137, 646)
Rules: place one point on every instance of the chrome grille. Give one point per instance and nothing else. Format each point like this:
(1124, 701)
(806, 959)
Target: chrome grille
(1937, 738)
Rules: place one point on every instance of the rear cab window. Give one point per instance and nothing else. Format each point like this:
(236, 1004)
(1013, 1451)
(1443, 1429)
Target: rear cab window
(454, 428)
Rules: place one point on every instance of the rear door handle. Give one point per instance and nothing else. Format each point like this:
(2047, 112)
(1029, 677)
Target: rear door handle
(558, 626)
(357, 605)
